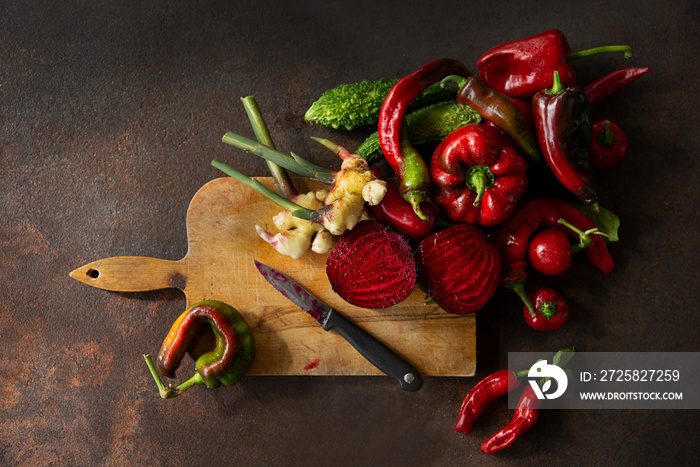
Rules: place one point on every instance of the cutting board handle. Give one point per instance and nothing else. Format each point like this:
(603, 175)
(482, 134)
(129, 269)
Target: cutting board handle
(133, 274)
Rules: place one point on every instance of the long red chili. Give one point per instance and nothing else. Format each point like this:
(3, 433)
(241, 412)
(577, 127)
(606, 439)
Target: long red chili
(398, 213)
(408, 164)
(612, 83)
(481, 395)
(525, 416)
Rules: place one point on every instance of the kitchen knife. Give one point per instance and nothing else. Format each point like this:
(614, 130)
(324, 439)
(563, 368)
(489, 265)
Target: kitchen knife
(374, 351)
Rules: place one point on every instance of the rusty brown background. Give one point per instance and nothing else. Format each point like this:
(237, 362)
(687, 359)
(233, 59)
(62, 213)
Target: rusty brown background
(110, 115)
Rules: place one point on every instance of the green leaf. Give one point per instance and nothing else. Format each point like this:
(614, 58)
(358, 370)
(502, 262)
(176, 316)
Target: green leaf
(606, 221)
(563, 357)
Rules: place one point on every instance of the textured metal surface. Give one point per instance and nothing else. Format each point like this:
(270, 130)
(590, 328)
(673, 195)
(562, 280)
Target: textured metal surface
(110, 113)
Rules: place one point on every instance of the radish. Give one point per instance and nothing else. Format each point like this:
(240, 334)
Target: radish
(459, 268)
(372, 266)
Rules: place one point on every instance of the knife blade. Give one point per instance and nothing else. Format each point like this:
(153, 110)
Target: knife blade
(329, 318)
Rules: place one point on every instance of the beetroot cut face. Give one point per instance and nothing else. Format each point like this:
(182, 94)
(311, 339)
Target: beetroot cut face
(459, 268)
(372, 266)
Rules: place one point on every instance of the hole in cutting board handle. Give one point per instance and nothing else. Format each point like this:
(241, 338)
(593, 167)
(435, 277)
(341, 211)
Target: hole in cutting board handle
(92, 273)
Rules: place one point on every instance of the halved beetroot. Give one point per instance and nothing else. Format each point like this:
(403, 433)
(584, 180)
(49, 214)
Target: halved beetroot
(459, 268)
(372, 266)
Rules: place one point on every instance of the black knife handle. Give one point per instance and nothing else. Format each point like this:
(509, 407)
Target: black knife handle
(375, 352)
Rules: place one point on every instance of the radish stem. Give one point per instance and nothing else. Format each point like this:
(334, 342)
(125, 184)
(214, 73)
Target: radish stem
(295, 209)
(292, 163)
(282, 180)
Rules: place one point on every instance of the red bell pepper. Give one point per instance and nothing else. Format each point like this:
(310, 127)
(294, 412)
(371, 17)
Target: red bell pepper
(522, 67)
(477, 175)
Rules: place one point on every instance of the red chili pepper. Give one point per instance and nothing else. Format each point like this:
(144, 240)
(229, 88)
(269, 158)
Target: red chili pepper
(551, 310)
(523, 67)
(610, 84)
(564, 129)
(499, 109)
(478, 175)
(481, 395)
(512, 238)
(609, 145)
(408, 164)
(524, 418)
(398, 213)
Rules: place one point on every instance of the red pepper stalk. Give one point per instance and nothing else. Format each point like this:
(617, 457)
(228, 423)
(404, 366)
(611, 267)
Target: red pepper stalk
(408, 164)
(478, 175)
(523, 67)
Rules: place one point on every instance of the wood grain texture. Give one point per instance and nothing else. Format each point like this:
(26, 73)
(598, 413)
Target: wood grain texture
(219, 265)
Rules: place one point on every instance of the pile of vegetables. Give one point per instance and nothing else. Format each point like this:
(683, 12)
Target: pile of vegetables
(455, 217)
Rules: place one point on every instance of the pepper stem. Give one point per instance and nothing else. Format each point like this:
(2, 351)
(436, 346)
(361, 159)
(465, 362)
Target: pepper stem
(596, 50)
(607, 138)
(548, 309)
(456, 79)
(295, 209)
(168, 392)
(584, 237)
(557, 87)
(416, 199)
(519, 289)
(479, 179)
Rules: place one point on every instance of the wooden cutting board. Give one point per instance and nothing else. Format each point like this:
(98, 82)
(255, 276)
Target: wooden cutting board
(219, 265)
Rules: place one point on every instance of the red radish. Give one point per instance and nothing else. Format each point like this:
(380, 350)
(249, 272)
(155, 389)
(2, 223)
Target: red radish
(459, 268)
(549, 252)
(372, 266)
